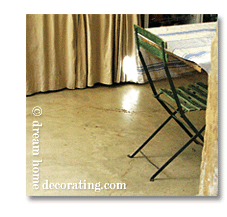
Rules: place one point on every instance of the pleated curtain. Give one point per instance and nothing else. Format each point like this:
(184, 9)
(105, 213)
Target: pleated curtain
(77, 51)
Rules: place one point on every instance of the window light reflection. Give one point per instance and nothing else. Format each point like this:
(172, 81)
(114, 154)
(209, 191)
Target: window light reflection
(130, 100)
(130, 69)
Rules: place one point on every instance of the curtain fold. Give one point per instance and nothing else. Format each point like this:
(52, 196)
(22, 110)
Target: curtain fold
(50, 53)
(76, 51)
(99, 48)
(209, 176)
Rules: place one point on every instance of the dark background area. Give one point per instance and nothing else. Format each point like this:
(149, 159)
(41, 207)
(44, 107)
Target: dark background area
(156, 20)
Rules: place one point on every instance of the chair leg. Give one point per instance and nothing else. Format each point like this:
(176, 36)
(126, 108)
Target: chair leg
(177, 153)
(159, 128)
(180, 123)
(192, 127)
(187, 131)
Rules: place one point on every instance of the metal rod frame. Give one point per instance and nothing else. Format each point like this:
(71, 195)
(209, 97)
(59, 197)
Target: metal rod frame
(172, 115)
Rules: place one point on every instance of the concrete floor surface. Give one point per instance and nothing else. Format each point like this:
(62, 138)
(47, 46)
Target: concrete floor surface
(86, 135)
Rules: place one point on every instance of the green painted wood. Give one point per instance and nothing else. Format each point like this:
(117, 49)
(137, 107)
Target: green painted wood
(155, 51)
(186, 98)
(184, 104)
(202, 86)
(150, 36)
(197, 90)
(193, 96)
(158, 43)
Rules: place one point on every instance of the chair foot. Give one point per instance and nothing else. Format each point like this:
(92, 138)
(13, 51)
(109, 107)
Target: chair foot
(148, 140)
(130, 156)
(177, 153)
(155, 174)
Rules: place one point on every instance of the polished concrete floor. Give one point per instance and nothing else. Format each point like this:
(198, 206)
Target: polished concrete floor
(86, 135)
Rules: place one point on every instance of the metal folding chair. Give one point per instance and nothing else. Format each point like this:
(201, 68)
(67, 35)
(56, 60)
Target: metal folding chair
(187, 99)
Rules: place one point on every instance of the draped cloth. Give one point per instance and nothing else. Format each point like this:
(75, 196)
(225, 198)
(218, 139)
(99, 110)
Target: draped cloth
(209, 165)
(77, 51)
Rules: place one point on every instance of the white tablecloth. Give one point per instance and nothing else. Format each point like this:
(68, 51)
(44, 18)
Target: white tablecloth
(191, 42)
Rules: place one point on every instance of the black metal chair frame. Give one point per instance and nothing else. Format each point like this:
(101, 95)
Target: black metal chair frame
(187, 99)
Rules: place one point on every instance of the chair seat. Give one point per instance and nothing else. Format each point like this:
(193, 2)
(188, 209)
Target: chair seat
(192, 98)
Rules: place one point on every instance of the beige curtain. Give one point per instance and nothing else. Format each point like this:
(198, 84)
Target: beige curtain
(76, 51)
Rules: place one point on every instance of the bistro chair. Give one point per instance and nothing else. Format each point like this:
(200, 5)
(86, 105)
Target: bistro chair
(185, 99)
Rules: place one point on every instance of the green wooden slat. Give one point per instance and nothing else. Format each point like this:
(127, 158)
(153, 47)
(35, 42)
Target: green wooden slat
(168, 93)
(194, 96)
(158, 42)
(190, 101)
(202, 86)
(150, 36)
(197, 90)
(155, 51)
(184, 104)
